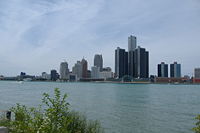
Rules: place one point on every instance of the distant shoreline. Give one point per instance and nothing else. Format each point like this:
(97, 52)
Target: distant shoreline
(114, 82)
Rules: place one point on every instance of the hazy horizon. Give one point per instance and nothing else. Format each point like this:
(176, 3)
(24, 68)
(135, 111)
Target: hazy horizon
(37, 35)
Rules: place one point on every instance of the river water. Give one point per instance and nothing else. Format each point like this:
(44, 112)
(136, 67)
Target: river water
(121, 108)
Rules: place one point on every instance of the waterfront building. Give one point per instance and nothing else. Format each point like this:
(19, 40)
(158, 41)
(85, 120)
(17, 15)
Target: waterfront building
(77, 70)
(54, 75)
(95, 72)
(121, 62)
(72, 77)
(163, 70)
(197, 73)
(108, 69)
(105, 75)
(98, 61)
(84, 68)
(171, 80)
(132, 43)
(175, 70)
(46, 76)
(138, 59)
(141, 63)
(134, 63)
(1, 77)
(196, 78)
(64, 71)
(22, 74)
(88, 74)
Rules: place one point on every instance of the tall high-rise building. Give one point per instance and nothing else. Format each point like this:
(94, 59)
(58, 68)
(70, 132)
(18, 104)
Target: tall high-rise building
(54, 75)
(141, 60)
(121, 62)
(131, 63)
(175, 70)
(132, 43)
(84, 68)
(64, 71)
(134, 63)
(98, 61)
(77, 70)
(197, 73)
(162, 70)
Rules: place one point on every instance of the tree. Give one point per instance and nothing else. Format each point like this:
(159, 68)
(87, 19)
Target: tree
(197, 128)
(56, 117)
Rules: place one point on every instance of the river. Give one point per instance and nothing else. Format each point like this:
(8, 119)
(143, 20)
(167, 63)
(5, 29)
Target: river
(121, 108)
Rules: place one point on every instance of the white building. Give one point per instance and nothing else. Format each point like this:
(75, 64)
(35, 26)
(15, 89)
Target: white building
(64, 71)
(95, 72)
(105, 75)
(197, 73)
(77, 70)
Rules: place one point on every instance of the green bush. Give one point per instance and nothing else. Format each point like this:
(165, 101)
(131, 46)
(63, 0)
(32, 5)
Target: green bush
(197, 128)
(55, 118)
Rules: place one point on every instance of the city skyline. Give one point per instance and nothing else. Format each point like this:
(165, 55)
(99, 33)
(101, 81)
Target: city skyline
(45, 32)
(98, 61)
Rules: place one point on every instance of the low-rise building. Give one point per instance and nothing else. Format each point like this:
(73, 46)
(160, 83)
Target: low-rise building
(171, 80)
(105, 75)
(54, 75)
(196, 78)
(46, 76)
(72, 77)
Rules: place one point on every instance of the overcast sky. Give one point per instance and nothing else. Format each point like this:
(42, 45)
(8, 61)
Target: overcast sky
(36, 35)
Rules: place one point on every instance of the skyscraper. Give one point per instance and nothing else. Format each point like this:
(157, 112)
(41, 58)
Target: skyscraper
(131, 63)
(162, 70)
(98, 61)
(132, 43)
(121, 62)
(175, 70)
(141, 60)
(134, 63)
(64, 71)
(84, 68)
(77, 70)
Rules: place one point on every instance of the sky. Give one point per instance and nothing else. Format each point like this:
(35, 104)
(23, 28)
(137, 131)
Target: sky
(36, 35)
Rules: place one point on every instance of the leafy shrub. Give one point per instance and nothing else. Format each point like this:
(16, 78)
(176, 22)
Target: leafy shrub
(197, 128)
(55, 118)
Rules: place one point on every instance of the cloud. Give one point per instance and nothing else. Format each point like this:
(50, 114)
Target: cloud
(37, 35)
